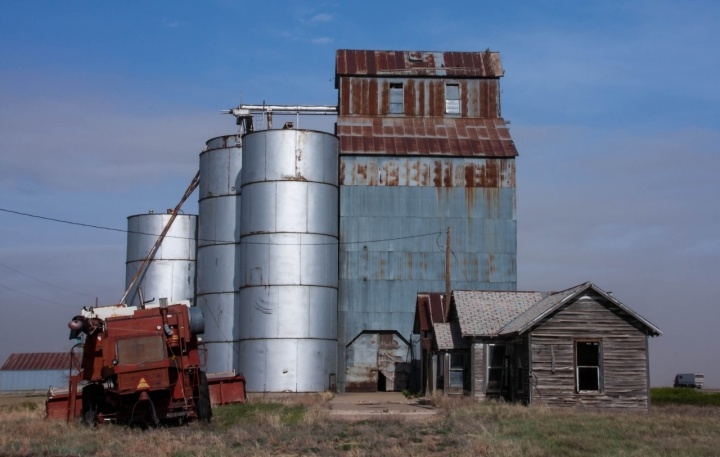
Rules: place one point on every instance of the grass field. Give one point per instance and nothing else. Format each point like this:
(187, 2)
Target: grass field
(301, 426)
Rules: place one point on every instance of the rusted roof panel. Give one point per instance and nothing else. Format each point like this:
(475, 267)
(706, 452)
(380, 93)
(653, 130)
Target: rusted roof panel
(429, 63)
(37, 361)
(429, 311)
(425, 136)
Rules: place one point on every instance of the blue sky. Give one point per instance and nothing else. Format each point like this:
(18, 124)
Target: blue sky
(615, 110)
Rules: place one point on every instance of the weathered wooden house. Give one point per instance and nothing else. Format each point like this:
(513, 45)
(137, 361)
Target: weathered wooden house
(580, 347)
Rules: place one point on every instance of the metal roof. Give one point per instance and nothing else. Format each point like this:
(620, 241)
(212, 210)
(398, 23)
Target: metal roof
(463, 137)
(482, 313)
(37, 361)
(429, 311)
(430, 63)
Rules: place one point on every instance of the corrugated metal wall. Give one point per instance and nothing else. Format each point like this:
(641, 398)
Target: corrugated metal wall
(37, 380)
(423, 147)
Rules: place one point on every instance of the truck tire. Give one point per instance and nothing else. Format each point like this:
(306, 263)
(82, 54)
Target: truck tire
(204, 409)
(93, 399)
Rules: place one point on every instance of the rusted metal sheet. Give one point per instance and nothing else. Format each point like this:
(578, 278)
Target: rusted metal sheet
(425, 136)
(370, 96)
(377, 361)
(226, 388)
(427, 172)
(38, 361)
(363, 62)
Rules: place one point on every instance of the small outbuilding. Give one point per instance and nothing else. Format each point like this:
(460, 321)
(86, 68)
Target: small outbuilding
(35, 371)
(580, 347)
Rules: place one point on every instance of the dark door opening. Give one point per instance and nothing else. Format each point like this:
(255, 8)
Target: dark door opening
(381, 382)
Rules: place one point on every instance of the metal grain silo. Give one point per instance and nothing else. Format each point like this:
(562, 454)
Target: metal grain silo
(218, 238)
(171, 273)
(288, 255)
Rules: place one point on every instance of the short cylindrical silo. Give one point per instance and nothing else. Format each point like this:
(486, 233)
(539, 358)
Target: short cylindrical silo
(171, 272)
(289, 261)
(218, 238)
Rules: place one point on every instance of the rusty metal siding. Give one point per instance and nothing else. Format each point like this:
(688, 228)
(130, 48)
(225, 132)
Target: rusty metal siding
(364, 96)
(429, 63)
(425, 136)
(468, 173)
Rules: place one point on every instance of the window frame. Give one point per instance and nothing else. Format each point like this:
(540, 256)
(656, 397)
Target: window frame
(397, 90)
(598, 367)
(503, 383)
(456, 110)
(456, 367)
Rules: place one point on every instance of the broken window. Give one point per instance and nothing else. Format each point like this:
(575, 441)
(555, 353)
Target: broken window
(452, 99)
(396, 98)
(496, 379)
(457, 370)
(588, 366)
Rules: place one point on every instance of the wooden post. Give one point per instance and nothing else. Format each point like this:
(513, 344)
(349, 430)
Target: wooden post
(448, 290)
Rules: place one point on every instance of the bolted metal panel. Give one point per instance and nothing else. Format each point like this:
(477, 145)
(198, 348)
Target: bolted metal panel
(218, 249)
(288, 365)
(220, 330)
(288, 261)
(171, 272)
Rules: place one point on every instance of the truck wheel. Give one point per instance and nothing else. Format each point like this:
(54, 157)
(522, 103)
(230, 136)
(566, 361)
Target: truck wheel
(93, 397)
(204, 410)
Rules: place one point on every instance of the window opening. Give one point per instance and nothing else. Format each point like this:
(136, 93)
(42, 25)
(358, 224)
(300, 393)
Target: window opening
(457, 370)
(588, 366)
(452, 99)
(396, 98)
(496, 375)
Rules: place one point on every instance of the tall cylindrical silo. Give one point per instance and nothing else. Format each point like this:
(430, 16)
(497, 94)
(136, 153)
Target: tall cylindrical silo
(218, 238)
(288, 256)
(171, 272)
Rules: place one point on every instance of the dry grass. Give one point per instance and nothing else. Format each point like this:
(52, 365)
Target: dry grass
(294, 426)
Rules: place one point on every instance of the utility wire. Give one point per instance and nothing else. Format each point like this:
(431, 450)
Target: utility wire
(44, 282)
(100, 227)
(33, 296)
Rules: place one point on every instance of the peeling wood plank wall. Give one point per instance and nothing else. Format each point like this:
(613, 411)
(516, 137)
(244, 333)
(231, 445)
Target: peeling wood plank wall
(477, 375)
(624, 358)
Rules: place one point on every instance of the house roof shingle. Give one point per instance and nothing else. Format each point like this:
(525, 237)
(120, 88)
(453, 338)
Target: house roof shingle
(482, 313)
(449, 336)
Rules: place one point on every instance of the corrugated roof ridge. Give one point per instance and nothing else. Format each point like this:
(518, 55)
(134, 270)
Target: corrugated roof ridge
(32, 361)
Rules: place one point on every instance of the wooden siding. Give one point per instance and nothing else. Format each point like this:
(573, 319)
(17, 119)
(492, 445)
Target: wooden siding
(624, 382)
(477, 373)
(422, 97)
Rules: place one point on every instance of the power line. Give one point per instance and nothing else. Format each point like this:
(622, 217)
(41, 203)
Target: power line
(45, 282)
(100, 227)
(33, 296)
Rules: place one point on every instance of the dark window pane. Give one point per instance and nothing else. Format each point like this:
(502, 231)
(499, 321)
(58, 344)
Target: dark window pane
(588, 378)
(588, 353)
(497, 356)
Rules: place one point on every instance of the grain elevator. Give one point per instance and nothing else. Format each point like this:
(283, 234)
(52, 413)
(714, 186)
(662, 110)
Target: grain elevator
(312, 245)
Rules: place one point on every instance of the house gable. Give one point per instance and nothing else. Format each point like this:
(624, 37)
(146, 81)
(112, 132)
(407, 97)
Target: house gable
(623, 380)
